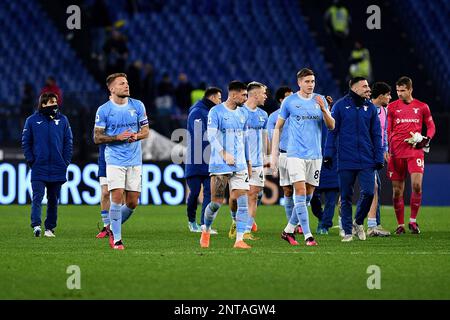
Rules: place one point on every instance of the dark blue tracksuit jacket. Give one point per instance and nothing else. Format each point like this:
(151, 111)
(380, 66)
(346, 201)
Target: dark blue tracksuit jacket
(357, 140)
(47, 146)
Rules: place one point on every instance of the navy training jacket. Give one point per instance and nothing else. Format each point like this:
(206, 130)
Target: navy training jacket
(47, 146)
(357, 134)
(196, 162)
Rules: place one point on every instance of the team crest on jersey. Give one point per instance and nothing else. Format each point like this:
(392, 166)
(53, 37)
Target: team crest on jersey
(242, 119)
(261, 119)
(416, 110)
(365, 108)
(317, 106)
(57, 121)
(132, 112)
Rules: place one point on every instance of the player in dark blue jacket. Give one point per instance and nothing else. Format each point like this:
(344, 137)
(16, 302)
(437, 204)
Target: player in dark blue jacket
(357, 140)
(47, 146)
(197, 159)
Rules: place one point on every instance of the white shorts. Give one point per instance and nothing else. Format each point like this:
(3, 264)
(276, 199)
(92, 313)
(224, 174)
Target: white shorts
(283, 170)
(236, 180)
(307, 170)
(128, 178)
(103, 181)
(257, 178)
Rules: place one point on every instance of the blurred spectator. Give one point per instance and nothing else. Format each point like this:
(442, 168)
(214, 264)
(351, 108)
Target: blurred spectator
(164, 105)
(360, 65)
(116, 52)
(198, 93)
(149, 89)
(51, 86)
(134, 74)
(27, 104)
(337, 21)
(183, 93)
(98, 23)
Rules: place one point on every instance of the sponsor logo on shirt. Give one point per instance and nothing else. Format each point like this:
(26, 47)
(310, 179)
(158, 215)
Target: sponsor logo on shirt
(407, 120)
(307, 118)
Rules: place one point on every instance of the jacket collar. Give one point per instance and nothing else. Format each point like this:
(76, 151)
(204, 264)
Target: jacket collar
(359, 101)
(208, 103)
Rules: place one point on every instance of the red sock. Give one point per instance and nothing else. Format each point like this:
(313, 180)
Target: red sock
(416, 199)
(399, 207)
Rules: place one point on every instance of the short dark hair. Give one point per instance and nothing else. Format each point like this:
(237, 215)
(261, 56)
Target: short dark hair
(210, 91)
(254, 85)
(113, 77)
(355, 80)
(236, 86)
(46, 97)
(404, 81)
(304, 73)
(379, 88)
(281, 93)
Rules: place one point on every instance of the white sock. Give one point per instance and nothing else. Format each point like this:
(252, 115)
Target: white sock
(239, 236)
(290, 228)
(412, 220)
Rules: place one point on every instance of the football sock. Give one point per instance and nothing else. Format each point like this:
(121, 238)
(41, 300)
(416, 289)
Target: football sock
(288, 207)
(308, 199)
(399, 207)
(241, 215)
(371, 222)
(290, 228)
(416, 199)
(115, 216)
(260, 195)
(250, 221)
(105, 217)
(302, 214)
(210, 214)
(126, 213)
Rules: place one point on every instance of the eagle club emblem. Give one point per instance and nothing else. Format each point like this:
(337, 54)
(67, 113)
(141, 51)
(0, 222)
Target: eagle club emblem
(132, 112)
(365, 108)
(416, 110)
(57, 121)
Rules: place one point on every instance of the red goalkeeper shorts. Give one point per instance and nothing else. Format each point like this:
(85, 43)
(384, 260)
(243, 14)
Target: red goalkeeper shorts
(397, 167)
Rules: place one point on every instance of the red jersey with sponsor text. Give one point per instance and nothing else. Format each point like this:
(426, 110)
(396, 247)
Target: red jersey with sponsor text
(404, 118)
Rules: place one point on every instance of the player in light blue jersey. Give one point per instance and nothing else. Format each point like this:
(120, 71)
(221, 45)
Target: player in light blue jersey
(121, 123)
(285, 183)
(229, 161)
(258, 151)
(305, 111)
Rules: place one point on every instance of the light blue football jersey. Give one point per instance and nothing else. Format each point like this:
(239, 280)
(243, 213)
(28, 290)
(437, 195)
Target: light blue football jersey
(115, 119)
(305, 126)
(284, 132)
(256, 129)
(226, 131)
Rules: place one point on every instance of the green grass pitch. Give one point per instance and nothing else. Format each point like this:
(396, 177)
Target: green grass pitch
(163, 260)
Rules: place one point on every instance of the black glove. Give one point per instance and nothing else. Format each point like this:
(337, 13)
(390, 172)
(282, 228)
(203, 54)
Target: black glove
(422, 144)
(328, 162)
(379, 165)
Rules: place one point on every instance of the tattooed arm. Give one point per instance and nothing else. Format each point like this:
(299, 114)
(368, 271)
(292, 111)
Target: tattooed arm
(101, 137)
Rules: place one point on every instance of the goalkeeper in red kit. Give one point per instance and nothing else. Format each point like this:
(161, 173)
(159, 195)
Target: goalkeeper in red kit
(406, 150)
